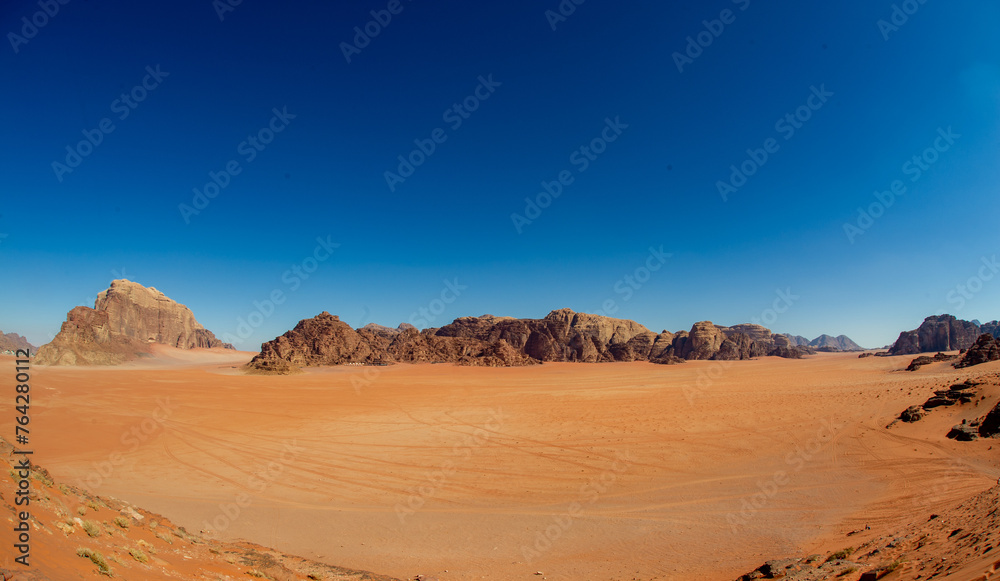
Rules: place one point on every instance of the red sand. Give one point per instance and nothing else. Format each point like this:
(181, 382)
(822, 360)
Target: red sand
(490, 459)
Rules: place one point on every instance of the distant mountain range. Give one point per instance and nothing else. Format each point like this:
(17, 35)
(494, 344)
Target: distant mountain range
(826, 343)
(13, 342)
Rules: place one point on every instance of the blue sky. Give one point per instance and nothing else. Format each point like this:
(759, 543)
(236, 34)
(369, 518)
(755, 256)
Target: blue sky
(533, 89)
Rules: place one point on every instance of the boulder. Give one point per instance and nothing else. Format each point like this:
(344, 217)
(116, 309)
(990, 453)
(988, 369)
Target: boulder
(914, 413)
(964, 432)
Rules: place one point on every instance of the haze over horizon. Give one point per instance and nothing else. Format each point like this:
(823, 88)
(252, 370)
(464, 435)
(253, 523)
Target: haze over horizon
(645, 195)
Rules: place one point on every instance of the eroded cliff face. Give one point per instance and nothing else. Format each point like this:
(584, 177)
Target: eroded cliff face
(936, 333)
(126, 319)
(563, 335)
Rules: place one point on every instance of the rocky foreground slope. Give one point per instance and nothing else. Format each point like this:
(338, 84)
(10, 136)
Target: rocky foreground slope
(125, 320)
(959, 544)
(563, 335)
(76, 535)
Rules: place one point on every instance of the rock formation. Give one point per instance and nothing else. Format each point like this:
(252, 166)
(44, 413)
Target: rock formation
(925, 360)
(563, 335)
(993, 328)
(986, 348)
(989, 425)
(125, 320)
(936, 333)
(12, 342)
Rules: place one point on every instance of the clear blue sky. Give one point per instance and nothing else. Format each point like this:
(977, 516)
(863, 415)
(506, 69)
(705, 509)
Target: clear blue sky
(68, 233)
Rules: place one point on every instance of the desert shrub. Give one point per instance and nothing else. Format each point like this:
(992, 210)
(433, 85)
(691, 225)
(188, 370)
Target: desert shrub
(97, 559)
(91, 528)
(149, 547)
(81, 510)
(138, 555)
(93, 505)
(41, 477)
(842, 554)
(122, 522)
(165, 538)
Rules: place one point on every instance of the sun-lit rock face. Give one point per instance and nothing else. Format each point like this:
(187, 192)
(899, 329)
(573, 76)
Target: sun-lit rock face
(125, 320)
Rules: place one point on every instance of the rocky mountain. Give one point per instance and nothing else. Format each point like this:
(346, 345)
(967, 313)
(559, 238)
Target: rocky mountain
(125, 320)
(838, 343)
(986, 348)
(12, 342)
(563, 335)
(936, 333)
(826, 343)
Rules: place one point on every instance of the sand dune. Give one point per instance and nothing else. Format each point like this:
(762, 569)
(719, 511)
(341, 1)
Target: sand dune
(634, 470)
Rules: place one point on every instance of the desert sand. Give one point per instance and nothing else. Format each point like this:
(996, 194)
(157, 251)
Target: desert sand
(634, 470)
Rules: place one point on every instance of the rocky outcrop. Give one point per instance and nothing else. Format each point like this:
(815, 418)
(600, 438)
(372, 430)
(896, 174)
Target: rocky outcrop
(563, 335)
(985, 349)
(925, 360)
(989, 425)
(702, 342)
(126, 319)
(12, 342)
(937, 333)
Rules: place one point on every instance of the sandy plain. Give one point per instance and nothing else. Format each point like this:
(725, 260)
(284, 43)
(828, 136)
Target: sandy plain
(581, 471)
